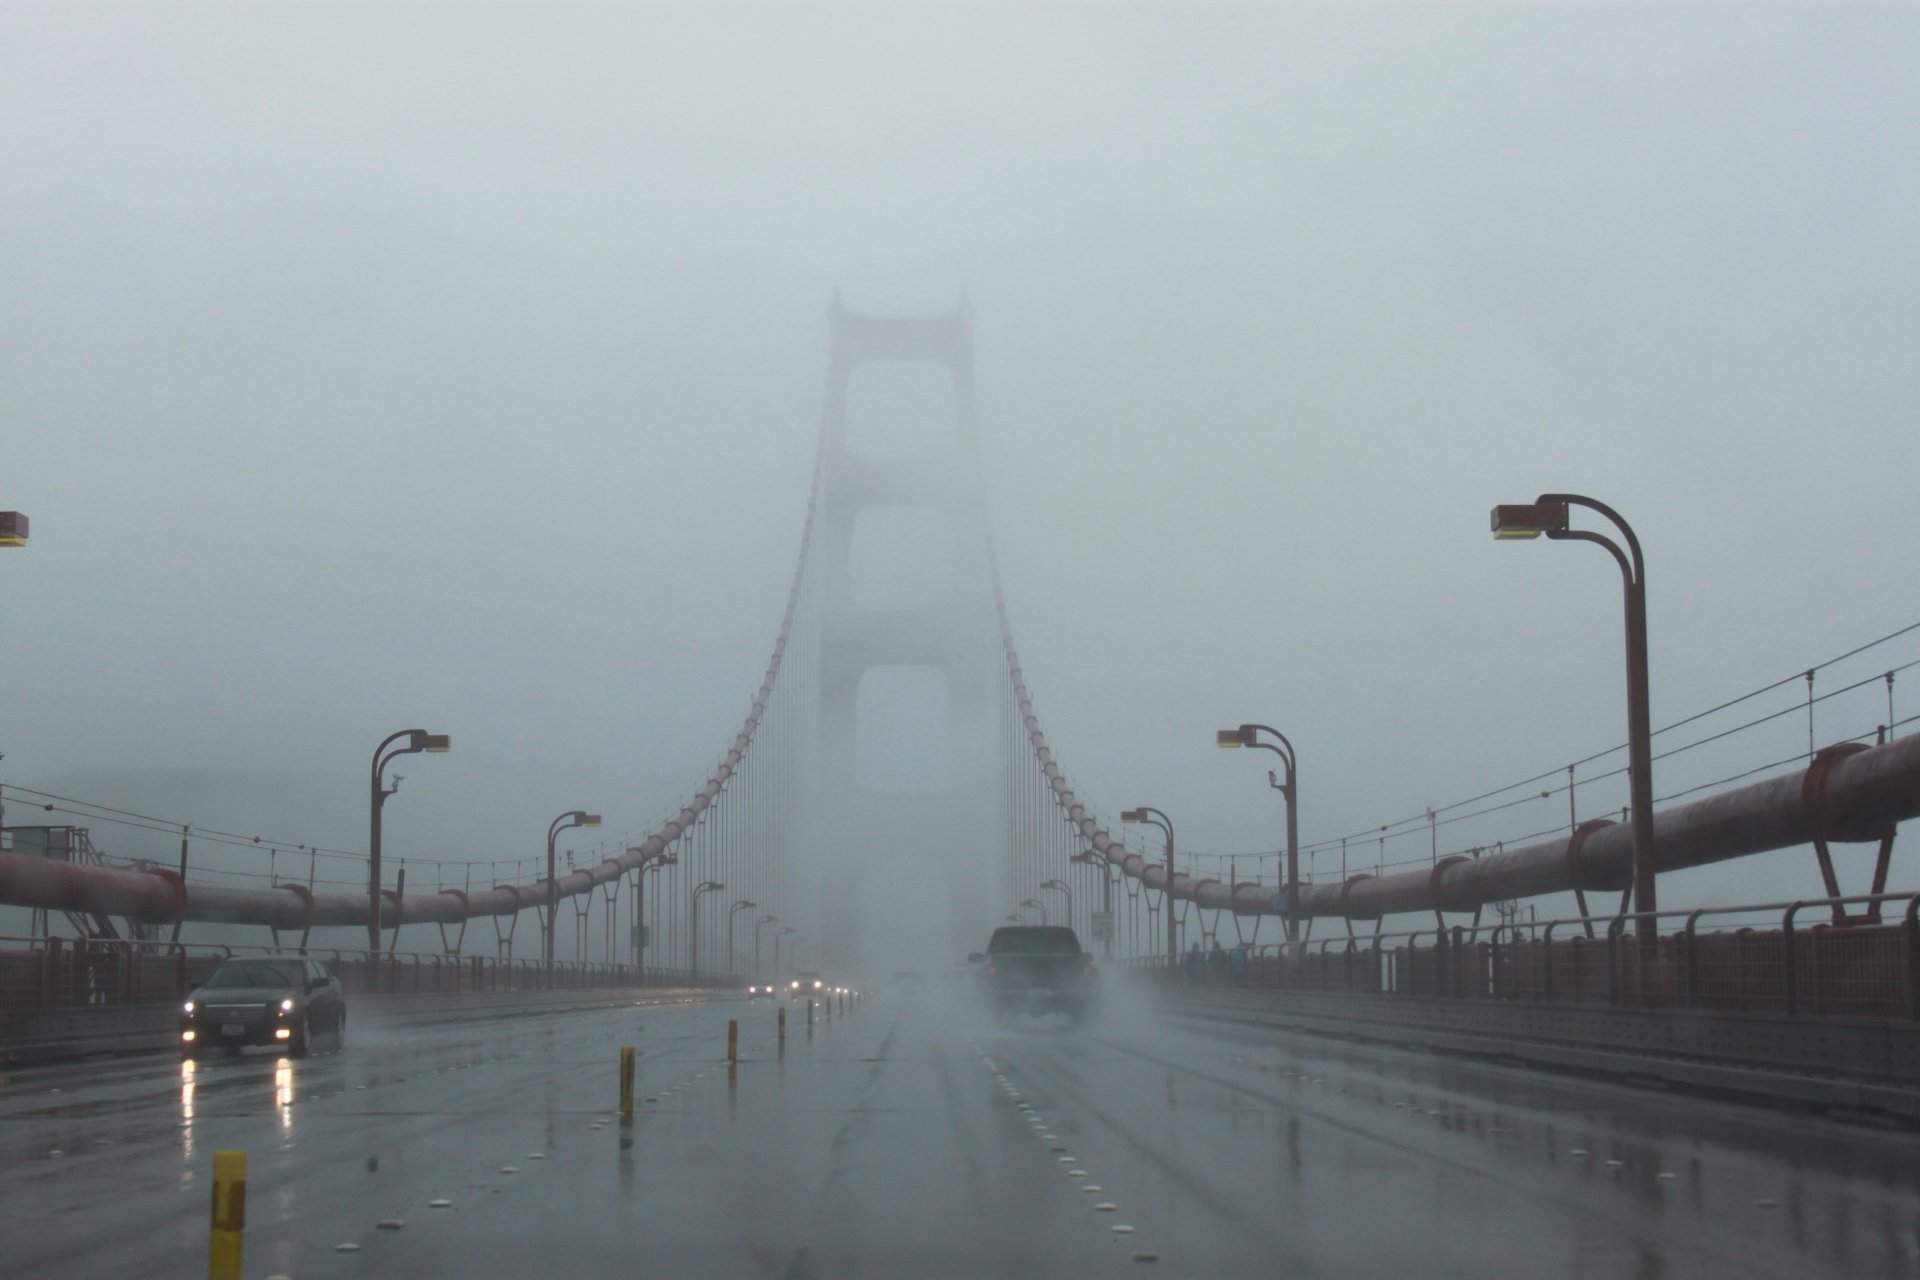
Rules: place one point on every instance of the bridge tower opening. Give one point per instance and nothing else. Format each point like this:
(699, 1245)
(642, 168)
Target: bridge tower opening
(904, 580)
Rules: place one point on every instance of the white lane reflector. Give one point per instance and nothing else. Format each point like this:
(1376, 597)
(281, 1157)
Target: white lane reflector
(1146, 1257)
(346, 1246)
(1105, 1206)
(507, 1168)
(1066, 1159)
(1076, 1173)
(536, 1155)
(1122, 1229)
(1615, 1164)
(1666, 1177)
(1092, 1187)
(390, 1224)
(439, 1204)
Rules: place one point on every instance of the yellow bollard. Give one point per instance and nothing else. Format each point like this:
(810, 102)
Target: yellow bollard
(626, 1081)
(783, 1030)
(229, 1215)
(733, 1041)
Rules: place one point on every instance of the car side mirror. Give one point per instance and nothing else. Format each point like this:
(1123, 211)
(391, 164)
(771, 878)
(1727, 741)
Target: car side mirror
(314, 984)
(975, 957)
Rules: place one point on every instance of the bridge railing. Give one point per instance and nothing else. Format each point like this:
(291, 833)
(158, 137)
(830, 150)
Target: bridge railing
(48, 973)
(1864, 963)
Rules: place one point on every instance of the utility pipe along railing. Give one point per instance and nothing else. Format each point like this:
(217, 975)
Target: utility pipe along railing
(1849, 793)
(160, 895)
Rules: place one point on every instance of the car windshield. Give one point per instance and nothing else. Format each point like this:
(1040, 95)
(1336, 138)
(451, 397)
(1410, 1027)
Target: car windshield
(256, 973)
(1034, 940)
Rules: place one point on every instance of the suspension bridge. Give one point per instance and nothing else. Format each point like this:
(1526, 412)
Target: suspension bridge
(1318, 1043)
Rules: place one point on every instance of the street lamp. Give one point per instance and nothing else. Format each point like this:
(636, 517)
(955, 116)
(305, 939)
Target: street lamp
(742, 905)
(1248, 735)
(1156, 818)
(651, 862)
(1061, 885)
(577, 818)
(1106, 892)
(416, 740)
(1014, 917)
(693, 920)
(763, 920)
(13, 529)
(1548, 514)
(1036, 904)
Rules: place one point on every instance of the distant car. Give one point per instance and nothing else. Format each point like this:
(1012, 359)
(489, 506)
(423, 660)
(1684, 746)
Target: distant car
(1037, 969)
(760, 989)
(288, 1003)
(807, 984)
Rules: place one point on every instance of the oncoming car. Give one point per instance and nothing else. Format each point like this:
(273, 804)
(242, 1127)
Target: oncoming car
(286, 1003)
(807, 984)
(761, 989)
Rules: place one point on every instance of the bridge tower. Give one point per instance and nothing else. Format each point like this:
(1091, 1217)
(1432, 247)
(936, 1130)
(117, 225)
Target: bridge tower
(959, 823)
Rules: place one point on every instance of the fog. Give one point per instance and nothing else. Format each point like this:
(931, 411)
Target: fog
(365, 367)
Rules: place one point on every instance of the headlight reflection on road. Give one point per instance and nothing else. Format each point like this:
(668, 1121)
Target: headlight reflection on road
(187, 1070)
(283, 1093)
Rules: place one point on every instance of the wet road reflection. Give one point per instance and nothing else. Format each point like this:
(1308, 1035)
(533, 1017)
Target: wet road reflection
(911, 1138)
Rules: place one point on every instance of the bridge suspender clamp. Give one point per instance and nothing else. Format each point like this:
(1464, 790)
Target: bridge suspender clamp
(503, 938)
(460, 938)
(393, 897)
(1577, 871)
(1346, 907)
(1433, 889)
(305, 895)
(1822, 828)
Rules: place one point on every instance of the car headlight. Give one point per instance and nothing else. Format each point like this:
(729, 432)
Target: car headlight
(188, 1006)
(286, 1004)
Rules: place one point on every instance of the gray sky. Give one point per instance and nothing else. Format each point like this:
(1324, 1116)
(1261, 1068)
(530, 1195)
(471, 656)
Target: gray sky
(461, 366)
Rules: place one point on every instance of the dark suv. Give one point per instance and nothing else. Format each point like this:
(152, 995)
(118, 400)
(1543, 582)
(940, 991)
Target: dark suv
(283, 1002)
(1037, 969)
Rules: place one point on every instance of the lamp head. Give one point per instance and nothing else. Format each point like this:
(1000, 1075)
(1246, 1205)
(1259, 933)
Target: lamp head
(13, 529)
(421, 740)
(1515, 521)
(586, 819)
(1241, 737)
(1132, 815)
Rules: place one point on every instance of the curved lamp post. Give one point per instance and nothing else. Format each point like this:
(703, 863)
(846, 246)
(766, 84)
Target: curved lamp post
(736, 908)
(693, 920)
(1156, 818)
(1063, 887)
(652, 862)
(1248, 735)
(757, 924)
(575, 818)
(1548, 514)
(416, 740)
(1101, 865)
(1036, 904)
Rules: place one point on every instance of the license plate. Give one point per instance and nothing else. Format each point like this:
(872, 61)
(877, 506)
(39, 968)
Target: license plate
(233, 1028)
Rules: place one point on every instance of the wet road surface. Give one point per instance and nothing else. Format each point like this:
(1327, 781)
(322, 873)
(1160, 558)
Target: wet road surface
(910, 1138)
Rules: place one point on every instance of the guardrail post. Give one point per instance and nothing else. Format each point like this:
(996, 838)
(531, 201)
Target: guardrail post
(626, 1083)
(1692, 956)
(1791, 978)
(1546, 964)
(1909, 928)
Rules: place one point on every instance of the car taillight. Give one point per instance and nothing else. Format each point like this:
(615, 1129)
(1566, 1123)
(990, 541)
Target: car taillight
(992, 969)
